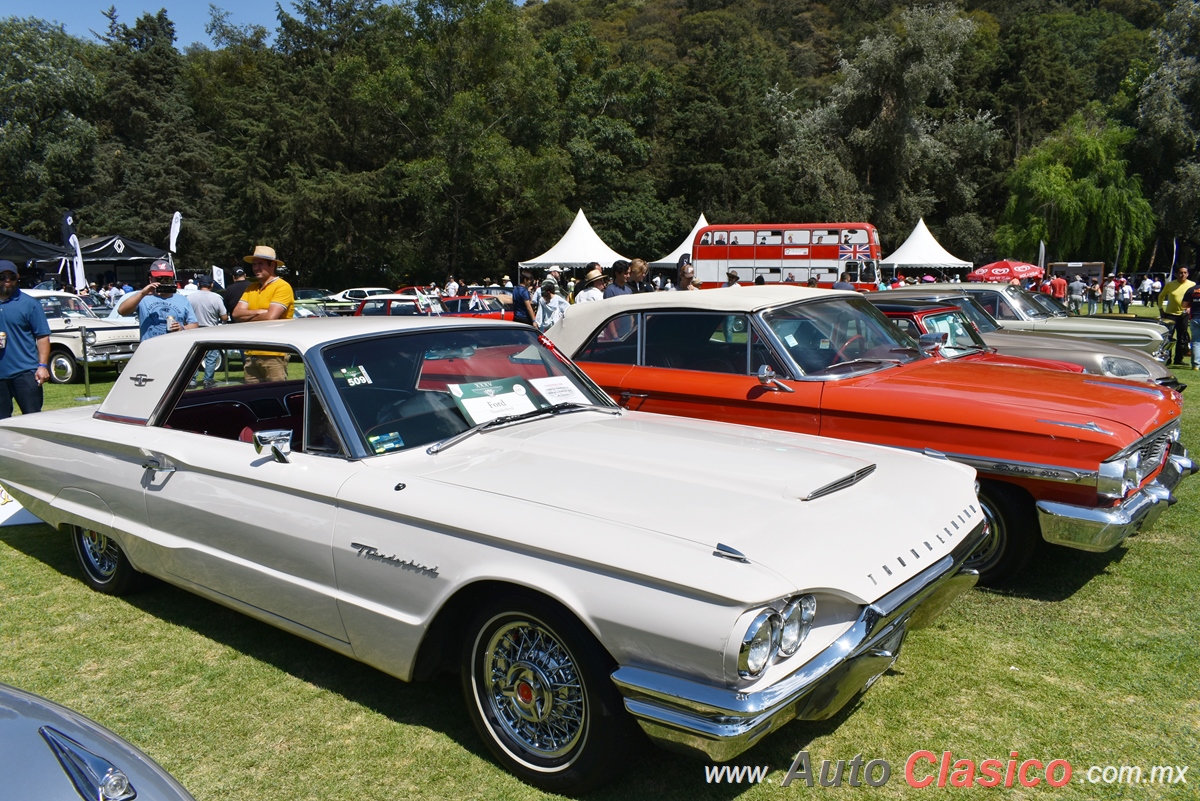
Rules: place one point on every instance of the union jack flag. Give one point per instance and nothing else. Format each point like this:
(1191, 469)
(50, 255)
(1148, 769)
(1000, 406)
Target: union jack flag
(853, 252)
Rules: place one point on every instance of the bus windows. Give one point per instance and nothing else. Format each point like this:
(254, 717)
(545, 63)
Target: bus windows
(797, 237)
(741, 238)
(824, 237)
(769, 275)
(721, 238)
(770, 237)
(854, 236)
(706, 238)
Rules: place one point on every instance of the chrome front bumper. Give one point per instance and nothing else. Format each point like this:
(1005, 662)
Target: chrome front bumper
(718, 723)
(1092, 529)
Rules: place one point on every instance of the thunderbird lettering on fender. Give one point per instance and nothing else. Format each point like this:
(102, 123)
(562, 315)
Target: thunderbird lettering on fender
(372, 553)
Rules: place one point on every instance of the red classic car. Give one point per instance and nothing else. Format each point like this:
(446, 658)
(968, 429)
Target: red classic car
(1075, 459)
(960, 338)
(476, 306)
(398, 306)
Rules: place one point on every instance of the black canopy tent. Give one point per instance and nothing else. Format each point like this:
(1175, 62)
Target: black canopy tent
(111, 258)
(21, 249)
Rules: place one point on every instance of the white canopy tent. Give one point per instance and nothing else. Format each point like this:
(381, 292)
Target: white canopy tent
(578, 247)
(672, 259)
(922, 250)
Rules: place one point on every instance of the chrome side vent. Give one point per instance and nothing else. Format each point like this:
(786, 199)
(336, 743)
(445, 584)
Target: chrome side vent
(732, 554)
(840, 484)
(94, 776)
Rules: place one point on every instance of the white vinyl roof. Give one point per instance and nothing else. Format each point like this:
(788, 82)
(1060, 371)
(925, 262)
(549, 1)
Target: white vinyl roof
(579, 246)
(582, 319)
(922, 250)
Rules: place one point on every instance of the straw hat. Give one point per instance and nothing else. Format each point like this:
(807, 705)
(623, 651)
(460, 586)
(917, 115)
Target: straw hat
(592, 277)
(265, 253)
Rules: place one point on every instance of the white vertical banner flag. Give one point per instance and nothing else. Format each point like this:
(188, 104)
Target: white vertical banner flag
(1042, 254)
(77, 277)
(218, 276)
(176, 221)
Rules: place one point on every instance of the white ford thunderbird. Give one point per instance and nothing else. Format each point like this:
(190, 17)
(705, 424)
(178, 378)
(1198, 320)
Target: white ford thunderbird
(427, 494)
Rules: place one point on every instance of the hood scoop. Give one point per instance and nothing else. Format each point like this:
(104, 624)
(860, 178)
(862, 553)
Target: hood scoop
(832, 487)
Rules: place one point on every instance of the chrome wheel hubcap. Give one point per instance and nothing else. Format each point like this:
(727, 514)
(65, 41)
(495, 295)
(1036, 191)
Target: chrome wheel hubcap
(61, 369)
(101, 554)
(535, 691)
(992, 547)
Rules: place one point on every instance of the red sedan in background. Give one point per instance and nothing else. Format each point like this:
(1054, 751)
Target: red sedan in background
(477, 306)
(399, 306)
(963, 341)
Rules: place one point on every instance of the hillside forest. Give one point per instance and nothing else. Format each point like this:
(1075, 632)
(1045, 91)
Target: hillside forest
(384, 143)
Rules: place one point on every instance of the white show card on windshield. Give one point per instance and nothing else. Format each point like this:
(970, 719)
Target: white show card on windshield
(559, 389)
(483, 401)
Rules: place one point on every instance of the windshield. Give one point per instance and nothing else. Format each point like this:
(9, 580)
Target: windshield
(849, 331)
(407, 390)
(974, 312)
(1048, 304)
(312, 294)
(1026, 303)
(961, 337)
(66, 306)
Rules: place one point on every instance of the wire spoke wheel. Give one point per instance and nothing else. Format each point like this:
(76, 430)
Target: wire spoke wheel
(535, 690)
(105, 566)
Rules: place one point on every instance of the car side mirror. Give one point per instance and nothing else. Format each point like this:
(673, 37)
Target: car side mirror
(279, 440)
(934, 341)
(768, 378)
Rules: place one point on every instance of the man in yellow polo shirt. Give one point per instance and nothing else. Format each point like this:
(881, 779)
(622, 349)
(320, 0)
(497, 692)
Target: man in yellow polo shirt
(1171, 306)
(267, 298)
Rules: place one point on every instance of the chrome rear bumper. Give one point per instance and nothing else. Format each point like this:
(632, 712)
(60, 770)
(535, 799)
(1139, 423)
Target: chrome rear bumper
(718, 723)
(1091, 529)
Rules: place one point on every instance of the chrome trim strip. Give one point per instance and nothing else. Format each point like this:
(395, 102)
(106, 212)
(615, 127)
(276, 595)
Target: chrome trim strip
(1131, 387)
(840, 484)
(119, 418)
(1045, 472)
(1088, 426)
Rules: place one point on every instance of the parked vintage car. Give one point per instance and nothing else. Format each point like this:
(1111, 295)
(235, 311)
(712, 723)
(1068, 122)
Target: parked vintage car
(393, 504)
(1018, 310)
(1100, 358)
(960, 339)
(399, 306)
(477, 305)
(109, 342)
(1078, 460)
(357, 294)
(52, 753)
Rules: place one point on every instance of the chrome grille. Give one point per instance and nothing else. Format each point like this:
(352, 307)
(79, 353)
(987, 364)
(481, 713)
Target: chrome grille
(1153, 452)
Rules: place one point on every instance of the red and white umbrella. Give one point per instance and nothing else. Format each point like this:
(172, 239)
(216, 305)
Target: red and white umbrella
(1003, 271)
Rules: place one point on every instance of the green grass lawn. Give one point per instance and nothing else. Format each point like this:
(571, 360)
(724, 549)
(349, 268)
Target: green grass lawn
(1090, 658)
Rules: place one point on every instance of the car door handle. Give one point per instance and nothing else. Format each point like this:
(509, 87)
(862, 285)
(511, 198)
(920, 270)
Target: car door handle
(156, 462)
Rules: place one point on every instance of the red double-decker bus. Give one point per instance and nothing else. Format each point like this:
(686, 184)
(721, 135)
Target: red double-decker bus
(788, 253)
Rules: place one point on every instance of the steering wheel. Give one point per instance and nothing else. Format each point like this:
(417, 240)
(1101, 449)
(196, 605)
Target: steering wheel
(837, 357)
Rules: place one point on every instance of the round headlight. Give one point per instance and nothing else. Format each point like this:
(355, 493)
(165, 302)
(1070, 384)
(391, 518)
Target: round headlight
(797, 622)
(90, 337)
(760, 644)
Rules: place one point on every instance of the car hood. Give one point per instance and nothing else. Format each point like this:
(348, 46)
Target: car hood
(676, 488)
(984, 396)
(1059, 346)
(103, 326)
(1081, 326)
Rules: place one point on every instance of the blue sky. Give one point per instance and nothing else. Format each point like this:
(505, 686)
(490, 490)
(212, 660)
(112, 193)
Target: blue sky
(83, 16)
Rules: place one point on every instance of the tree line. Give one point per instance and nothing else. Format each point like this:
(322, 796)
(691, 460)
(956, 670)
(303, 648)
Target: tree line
(386, 143)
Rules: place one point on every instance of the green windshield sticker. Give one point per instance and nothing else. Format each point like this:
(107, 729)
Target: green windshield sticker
(353, 376)
(482, 401)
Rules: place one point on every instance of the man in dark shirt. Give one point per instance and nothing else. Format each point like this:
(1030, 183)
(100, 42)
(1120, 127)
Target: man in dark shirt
(233, 293)
(620, 281)
(24, 346)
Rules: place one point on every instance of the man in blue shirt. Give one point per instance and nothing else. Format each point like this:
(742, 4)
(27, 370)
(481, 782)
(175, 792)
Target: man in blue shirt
(24, 346)
(154, 304)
